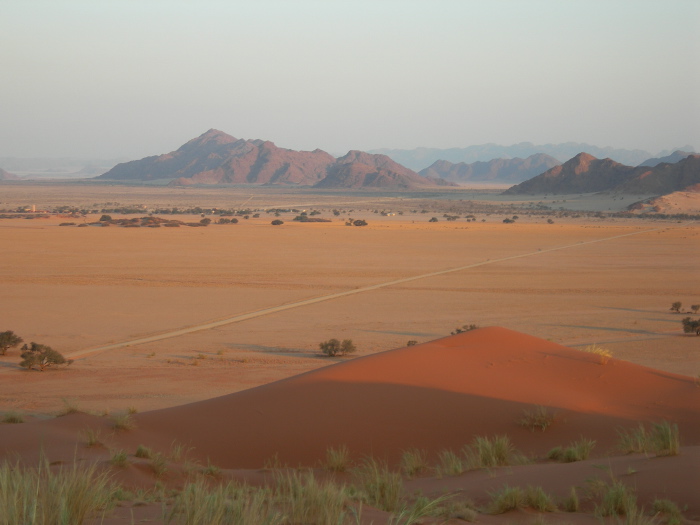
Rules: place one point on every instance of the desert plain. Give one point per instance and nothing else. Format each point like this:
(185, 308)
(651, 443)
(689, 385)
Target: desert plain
(204, 332)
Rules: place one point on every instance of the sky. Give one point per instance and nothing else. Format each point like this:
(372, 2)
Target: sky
(131, 78)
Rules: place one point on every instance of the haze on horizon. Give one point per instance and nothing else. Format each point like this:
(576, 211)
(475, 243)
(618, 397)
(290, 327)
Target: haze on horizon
(136, 78)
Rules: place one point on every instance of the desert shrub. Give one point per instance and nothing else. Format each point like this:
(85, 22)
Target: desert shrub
(159, 464)
(412, 342)
(413, 462)
(691, 326)
(40, 357)
(70, 406)
(695, 308)
(464, 328)
(9, 339)
(359, 222)
(277, 222)
(381, 487)
(538, 418)
(333, 347)
(603, 354)
(676, 307)
(337, 459)
(12, 417)
(43, 497)
(105, 218)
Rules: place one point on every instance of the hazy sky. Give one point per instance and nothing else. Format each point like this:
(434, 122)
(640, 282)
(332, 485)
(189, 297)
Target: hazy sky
(140, 77)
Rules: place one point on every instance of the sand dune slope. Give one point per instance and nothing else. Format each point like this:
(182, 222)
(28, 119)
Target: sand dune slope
(432, 396)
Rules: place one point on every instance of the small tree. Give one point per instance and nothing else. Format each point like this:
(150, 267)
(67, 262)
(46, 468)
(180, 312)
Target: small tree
(333, 347)
(676, 307)
(690, 326)
(105, 218)
(8, 340)
(695, 308)
(40, 357)
(359, 222)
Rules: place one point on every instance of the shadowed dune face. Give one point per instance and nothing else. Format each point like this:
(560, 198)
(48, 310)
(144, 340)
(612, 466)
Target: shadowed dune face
(431, 396)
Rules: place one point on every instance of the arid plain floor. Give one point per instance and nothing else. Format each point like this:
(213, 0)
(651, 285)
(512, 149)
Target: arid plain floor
(575, 282)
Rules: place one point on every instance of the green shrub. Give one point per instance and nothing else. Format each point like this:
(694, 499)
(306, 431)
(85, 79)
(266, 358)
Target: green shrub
(119, 459)
(333, 347)
(143, 452)
(450, 464)
(536, 498)
(669, 510)
(617, 500)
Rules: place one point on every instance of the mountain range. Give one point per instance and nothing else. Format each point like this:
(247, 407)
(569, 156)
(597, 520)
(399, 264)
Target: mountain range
(421, 158)
(496, 170)
(218, 158)
(586, 174)
(6, 175)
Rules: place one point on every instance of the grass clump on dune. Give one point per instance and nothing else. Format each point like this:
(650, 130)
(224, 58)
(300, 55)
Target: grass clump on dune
(512, 498)
(308, 500)
(539, 418)
(603, 353)
(663, 439)
(337, 459)
(497, 451)
(143, 452)
(669, 510)
(123, 421)
(381, 487)
(450, 464)
(576, 451)
(12, 417)
(414, 462)
(617, 500)
(41, 496)
(92, 437)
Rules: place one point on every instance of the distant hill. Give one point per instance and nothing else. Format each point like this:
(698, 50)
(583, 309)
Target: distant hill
(672, 158)
(6, 175)
(421, 158)
(358, 169)
(496, 170)
(587, 174)
(218, 158)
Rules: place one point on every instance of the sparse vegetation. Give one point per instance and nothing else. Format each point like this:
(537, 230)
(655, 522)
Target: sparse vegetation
(464, 328)
(144, 452)
(450, 464)
(337, 459)
(667, 509)
(663, 439)
(414, 462)
(67, 496)
(92, 437)
(572, 503)
(119, 459)
(382, 488)
(617, 500)
(123, 421)
(277, 222)
(603, 354)
(505, 499)
(70, 406)
(538, 418)
(676, 307)
(495, 452)
(9, 339)
(412, 342)
(691, 325)
(576, 451)
(334, 347)
(12, 417)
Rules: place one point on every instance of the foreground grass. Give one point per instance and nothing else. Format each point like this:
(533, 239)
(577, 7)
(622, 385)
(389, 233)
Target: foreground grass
(43, 497)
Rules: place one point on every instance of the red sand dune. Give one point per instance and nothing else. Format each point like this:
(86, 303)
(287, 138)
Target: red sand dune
(431, 396)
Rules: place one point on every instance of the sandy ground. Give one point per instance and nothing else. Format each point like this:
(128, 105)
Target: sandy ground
(81, 288)
(574, 283)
